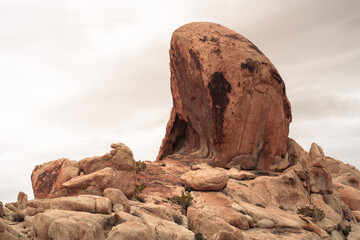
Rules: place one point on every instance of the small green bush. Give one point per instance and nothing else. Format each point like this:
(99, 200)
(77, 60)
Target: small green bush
(260, 205)
(139, 188)
(312, 211)
(199, 236)
(187, 188)
(243, 184)
(140, 166)
(184, 200)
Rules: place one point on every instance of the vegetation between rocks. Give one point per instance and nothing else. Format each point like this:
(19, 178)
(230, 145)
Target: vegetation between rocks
(312, 211)
(199, 236)
(138, 189)
(140, 166)
(184, 200)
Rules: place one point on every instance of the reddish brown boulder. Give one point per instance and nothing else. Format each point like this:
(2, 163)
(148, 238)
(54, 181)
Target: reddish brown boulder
(88, 176)
(47, 179)
(229, 101)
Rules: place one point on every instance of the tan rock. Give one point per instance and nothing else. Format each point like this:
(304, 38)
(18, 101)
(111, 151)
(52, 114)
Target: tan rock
(158, 210)
(204, 180)
(86, 177)
(285, 190)
(202, 221)
(258, 213)
(116, 196)
(87, 224)
(332, 218)
(349, 195)
(131, 230)
(22, 200)
(96, 181)
(265, 223)
(225, 235)
(74, 228)
(356, 215)
(229, 100)
(121, 161)
(47, 179)
(1, 209)
(77, 203)
(240, 175)
(316, 156)
(320, 180)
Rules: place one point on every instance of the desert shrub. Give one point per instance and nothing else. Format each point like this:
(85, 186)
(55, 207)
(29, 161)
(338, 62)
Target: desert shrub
(184, 200)
(178, 219)
(138, 189)
(18, 217)
(260, 205)
(312, 211)
(282, 208)
(199, 236)
(140, 166)
(243, 184)
(187, 188)
(346, 231)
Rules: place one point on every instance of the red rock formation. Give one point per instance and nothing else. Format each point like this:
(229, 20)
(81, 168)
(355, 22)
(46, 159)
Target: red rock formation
(88, 176)
(229, 101)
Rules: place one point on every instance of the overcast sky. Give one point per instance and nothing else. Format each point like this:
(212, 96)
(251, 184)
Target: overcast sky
(77, 76)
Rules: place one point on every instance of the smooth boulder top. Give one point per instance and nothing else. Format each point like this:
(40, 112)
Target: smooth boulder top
(229, 101)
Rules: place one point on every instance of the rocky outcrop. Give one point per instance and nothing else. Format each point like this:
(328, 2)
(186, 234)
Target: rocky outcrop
(229, 101)
(230, 113)
(88, 176)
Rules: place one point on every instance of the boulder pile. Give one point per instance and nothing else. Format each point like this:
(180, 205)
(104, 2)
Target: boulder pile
(226, 169)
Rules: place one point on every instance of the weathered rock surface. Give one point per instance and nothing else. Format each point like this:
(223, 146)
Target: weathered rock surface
(229, 100)
(204, 180)
(88, 176)
(60, 224)
(47, 178)
(116, 196)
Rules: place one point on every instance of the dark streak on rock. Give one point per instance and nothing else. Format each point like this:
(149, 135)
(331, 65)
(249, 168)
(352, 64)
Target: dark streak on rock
(233, 36)
(195, 57)
(276, 75)
(204, 38)
(47, 179)
(218, 88)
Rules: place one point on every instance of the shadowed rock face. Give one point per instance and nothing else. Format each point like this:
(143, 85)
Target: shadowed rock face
(229, 101)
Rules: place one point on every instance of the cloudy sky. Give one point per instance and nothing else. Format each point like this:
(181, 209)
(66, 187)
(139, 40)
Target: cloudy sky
(77, 76)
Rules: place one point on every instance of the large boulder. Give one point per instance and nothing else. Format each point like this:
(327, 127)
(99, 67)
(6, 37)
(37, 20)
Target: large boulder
(320, 177)
(121, 160)
(229, 101)
(88, 176)
(60, 224)
(204, 180)
(47, 179)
